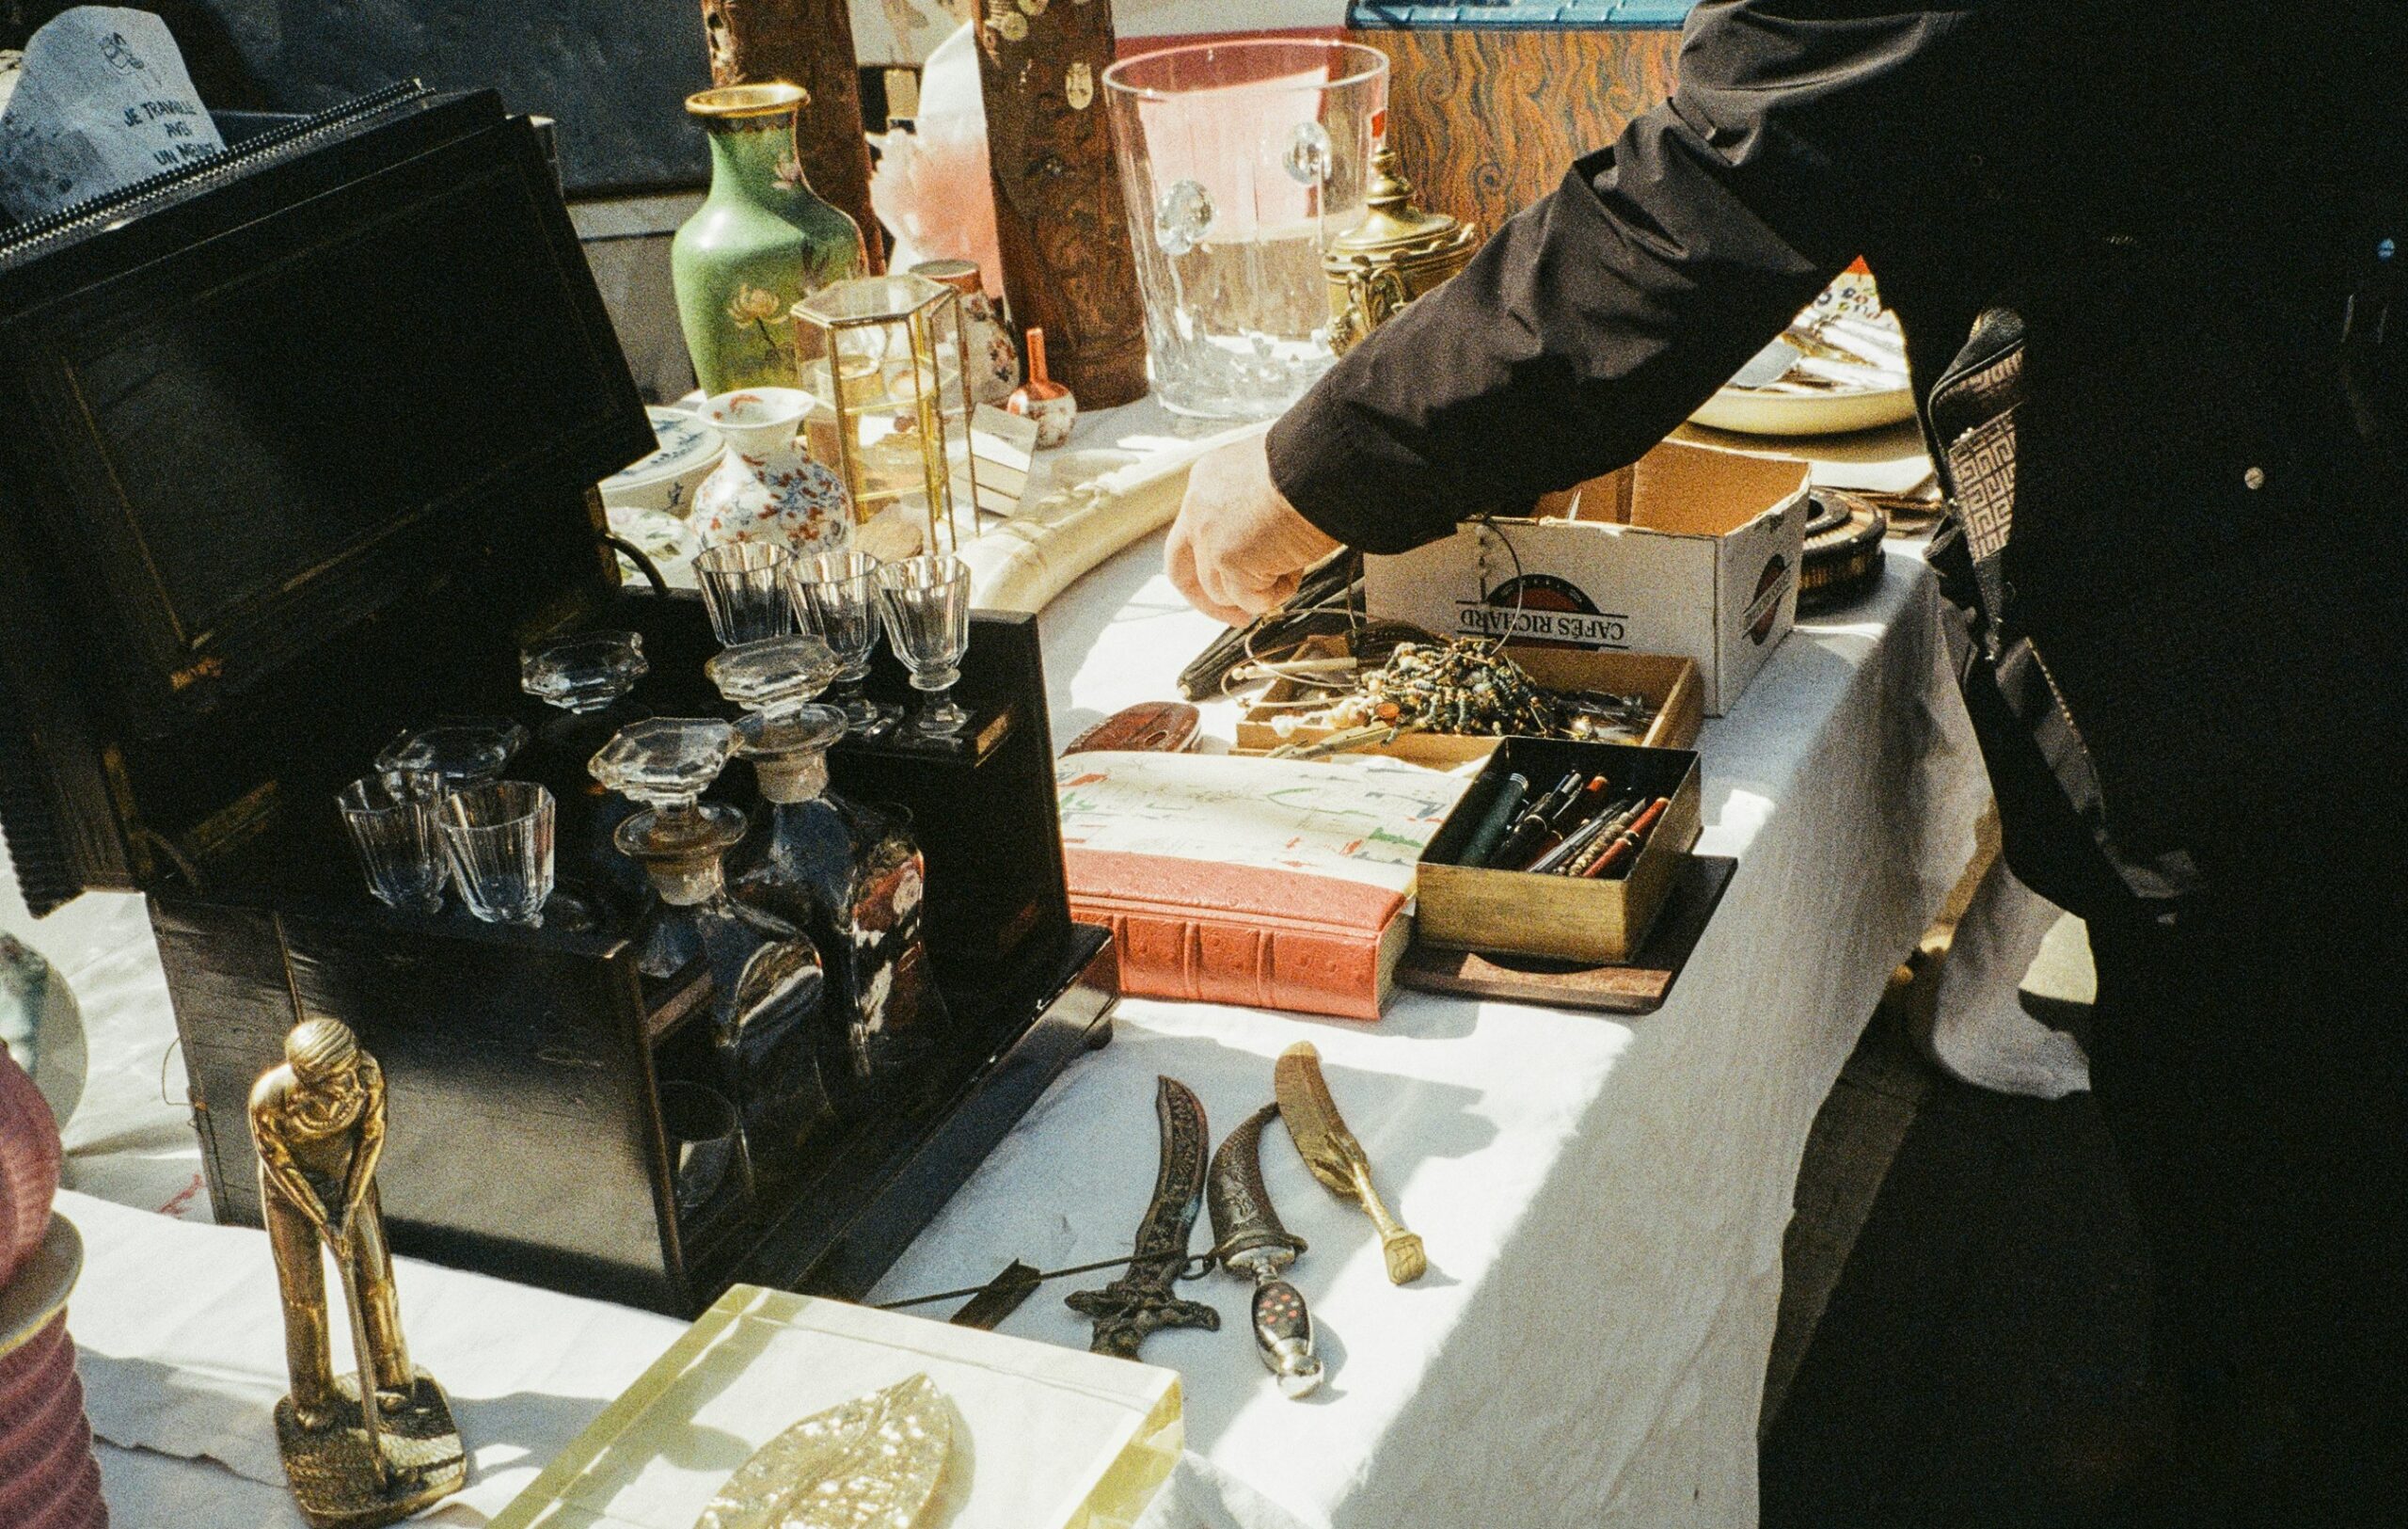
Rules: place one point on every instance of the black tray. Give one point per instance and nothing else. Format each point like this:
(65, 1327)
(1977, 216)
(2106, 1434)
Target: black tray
(1638, 986)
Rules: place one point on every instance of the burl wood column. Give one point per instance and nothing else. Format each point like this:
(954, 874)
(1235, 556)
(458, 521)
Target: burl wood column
(810, 43)
(1488, 121)
(1059, 219)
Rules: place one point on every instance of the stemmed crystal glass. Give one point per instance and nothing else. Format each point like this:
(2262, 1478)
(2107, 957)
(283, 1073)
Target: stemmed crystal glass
(499, 833)
(925, 600)
(744, 588)
(836, 595)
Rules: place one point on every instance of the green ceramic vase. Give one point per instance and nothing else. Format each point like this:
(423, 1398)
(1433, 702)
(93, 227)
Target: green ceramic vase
(759, 243)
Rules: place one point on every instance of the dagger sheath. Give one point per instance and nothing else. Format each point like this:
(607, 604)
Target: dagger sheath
(1246, 1228)
(1142, 1301)
(1251, 1243)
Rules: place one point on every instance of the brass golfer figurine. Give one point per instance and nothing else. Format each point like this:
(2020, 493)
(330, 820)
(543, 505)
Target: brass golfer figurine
(318, 1121)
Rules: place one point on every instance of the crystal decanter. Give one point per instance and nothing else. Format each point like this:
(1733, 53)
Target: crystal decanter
(851, 875)
(776, 1054)
(590, 677)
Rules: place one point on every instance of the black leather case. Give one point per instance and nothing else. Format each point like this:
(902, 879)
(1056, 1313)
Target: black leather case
(299, 451)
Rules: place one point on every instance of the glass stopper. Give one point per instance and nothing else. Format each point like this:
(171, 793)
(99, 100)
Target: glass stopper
(1182, 216)
(664, 761)
(789, 749)
(680, 847)
(776, 673)
(454, 750)
(583, 673)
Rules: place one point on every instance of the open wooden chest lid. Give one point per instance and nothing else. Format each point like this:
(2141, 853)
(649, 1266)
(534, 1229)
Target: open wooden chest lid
(299, 439)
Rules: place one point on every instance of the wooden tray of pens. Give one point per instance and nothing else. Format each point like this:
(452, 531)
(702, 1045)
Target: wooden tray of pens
(1560, 849)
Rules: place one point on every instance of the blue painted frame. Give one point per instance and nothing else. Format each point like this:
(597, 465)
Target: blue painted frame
(1532, 15)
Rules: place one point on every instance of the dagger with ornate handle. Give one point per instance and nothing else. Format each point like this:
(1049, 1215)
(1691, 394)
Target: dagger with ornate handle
(1141, 1301)
(1250, 1243)
(1336, 1159)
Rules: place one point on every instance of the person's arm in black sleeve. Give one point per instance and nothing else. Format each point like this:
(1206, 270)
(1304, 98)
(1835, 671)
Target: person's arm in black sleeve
(1601, 317)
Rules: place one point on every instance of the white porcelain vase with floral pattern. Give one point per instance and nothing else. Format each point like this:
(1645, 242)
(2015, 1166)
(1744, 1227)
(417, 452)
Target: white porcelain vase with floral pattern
(994, 360)
(767, 488)
(987, 347)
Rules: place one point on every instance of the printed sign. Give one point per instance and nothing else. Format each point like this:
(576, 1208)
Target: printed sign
(102, 101)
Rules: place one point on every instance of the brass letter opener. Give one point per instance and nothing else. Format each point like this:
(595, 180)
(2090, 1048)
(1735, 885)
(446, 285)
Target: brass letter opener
(1336, 1159)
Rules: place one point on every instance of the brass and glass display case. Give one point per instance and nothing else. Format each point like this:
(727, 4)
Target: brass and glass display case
(881, 358)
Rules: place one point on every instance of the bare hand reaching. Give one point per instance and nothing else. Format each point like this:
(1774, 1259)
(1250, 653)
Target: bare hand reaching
(1238, 546)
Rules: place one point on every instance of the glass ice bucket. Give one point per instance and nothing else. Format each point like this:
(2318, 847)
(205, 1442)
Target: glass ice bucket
(1241, 162)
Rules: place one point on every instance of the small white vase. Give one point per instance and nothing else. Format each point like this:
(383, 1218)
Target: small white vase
(767, 488)
(994, 361)
(1051, 404)
(987, 347)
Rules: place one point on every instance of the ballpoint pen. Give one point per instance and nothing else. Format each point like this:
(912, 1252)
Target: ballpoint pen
(1617, 858)
(1601, 823)
(1562, 822)
(1530, 828)
(1626, 813)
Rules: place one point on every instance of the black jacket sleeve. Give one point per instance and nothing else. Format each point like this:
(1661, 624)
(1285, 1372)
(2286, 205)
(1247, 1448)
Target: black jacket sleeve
(1599, 318)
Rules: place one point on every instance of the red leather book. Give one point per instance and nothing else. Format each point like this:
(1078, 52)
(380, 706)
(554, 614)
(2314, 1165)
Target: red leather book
(1237, 934)
(1270, 883)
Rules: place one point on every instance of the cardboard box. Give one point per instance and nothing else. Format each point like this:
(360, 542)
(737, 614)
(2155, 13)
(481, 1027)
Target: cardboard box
(1461, 907)
(1668, 683)
(1691, 550)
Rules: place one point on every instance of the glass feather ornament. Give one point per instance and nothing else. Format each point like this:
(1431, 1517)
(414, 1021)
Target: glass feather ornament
(875, 1462)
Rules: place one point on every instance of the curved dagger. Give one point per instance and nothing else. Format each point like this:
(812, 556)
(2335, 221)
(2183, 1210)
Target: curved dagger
(1251, 1244)
(1141, 1301)
(1330, 1150)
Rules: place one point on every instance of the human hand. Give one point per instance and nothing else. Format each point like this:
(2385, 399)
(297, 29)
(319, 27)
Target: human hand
(1238, 546)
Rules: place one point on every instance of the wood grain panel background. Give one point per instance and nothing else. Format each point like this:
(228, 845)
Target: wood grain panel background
(1059, 219)
(1489, 120)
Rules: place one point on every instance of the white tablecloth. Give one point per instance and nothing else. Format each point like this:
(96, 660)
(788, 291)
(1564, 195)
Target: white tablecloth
(181, 1347)
(1603, 1201)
